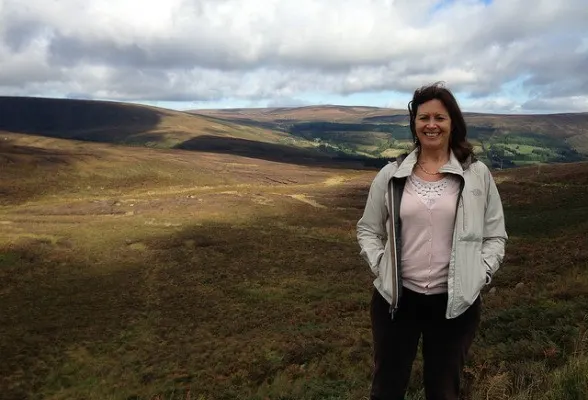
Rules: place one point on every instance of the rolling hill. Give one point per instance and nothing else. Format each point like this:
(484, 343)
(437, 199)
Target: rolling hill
(137, 125)
(38, 167)
(332, 113)
(113, 122)
(304, 135)
(565, 125)
(500, 140)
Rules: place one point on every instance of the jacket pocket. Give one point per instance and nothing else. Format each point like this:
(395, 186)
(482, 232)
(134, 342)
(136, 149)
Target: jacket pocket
(471, 272)
(384, 269)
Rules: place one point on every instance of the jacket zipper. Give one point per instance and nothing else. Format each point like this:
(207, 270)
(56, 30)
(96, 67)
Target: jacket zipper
(394, 274)
(459, 199)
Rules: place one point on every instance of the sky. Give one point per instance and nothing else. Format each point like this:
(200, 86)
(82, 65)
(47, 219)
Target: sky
(500, 56)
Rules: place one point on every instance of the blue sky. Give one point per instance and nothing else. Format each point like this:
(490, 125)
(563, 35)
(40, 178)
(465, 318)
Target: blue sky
(447, 4)
(505, 56)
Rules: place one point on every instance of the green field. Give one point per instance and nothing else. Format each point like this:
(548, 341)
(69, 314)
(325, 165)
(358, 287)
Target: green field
(496, 148)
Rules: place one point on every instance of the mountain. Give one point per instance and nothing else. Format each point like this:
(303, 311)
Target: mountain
(303, 135)
(565, 125)
(138, 125)
(500, 140)
(114, 122)
(331, 113)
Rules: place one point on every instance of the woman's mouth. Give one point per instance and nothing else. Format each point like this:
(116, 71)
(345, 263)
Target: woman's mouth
(432, 134)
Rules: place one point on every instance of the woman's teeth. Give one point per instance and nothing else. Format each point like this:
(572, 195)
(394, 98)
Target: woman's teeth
(432, 134)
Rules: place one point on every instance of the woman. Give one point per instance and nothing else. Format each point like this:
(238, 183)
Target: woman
(433, 235)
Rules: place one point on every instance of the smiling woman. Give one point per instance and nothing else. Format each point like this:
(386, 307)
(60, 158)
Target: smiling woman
(434, 261)
(437, 124)
(433, 129)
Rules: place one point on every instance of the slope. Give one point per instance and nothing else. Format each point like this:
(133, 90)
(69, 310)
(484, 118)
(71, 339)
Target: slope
(38, 167)
(132, 124)
(502, 140)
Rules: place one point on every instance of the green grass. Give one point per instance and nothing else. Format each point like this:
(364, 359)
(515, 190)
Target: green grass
(526, 148)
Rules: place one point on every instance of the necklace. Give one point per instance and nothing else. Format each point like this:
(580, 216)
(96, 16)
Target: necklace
(427, 172)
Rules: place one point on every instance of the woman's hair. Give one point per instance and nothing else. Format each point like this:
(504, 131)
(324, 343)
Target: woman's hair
(457, 141)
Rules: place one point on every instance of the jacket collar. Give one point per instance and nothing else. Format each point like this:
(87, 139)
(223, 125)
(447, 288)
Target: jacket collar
(452, 167)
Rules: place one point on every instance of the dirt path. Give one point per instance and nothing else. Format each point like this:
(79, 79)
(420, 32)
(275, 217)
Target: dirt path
(303, 198)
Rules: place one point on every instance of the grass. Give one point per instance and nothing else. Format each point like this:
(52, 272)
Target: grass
(192, 288)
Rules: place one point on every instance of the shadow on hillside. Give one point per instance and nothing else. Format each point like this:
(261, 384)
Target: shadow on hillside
(275, 152)
(96, 121)
(11, 153)
(186, 294)
(46, 317)
(390, 119)
(28, 171)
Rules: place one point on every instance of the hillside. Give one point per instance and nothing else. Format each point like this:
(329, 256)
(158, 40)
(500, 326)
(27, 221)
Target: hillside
(114, 122)
(332, 113)
(37, 167)
(500, 140)
(138, 125)
(306, 135)
(562, 125)
(138, 273)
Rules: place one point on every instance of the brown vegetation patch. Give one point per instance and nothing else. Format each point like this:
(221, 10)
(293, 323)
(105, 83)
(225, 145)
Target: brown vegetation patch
(220, 285)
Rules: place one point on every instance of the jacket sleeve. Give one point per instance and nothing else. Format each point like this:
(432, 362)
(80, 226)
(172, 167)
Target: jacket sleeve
(371, 228)
(495, 237)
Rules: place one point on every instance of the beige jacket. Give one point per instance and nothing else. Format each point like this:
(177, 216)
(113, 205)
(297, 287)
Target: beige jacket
(479, 235)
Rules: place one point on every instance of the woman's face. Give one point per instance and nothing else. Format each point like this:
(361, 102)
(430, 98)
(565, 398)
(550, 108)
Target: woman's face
(433, 125)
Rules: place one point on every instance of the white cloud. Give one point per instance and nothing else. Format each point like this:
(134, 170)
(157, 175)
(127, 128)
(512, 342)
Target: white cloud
(571, 104)
(199, 50)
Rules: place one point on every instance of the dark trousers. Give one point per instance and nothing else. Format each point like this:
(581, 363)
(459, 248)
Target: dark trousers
(445, 344)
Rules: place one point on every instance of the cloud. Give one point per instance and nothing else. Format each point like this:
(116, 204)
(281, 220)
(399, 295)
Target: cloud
(287, 102)
(571, 103)
(208, 50)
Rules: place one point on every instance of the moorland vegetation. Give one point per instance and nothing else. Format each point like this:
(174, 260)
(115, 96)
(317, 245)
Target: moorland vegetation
(133, 272)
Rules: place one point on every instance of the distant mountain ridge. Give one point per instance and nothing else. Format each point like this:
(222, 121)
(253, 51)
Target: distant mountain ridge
(140, 125)
(297, 134)
(331, 113)
(500, 140)
(561, 124)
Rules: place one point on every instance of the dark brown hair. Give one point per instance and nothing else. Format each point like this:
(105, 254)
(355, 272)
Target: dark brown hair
(457, 141)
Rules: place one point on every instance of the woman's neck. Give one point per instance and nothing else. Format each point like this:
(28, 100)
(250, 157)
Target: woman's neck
(434, 156)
